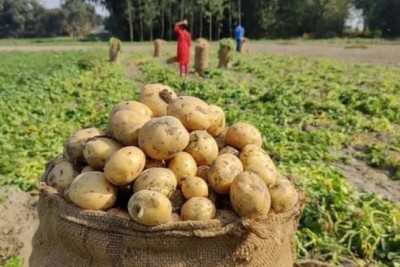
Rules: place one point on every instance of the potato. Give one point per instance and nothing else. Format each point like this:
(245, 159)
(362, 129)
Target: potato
(125, 165)
(162, 138)
(150, 208)
(73, 148)
(135, 106)
(91, 190)
(157, 97)
(177, 200)
(61, 175)
(191, 111)
(158, 179)
(241, 134)
(202, 172)
(88, 168)
(183, 165)
(249, 196)
(223, 133)
(153, 163)
(202, 147)
(222, 172)
(217, 120)
(98, 151)
(252, 154)
(283, 196)
(268, 175)
(194, 187)
(125, 125)
(198, 209)
(230, 150)
(220, 142)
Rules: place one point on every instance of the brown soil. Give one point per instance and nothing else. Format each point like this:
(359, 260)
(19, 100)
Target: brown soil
(18, 222)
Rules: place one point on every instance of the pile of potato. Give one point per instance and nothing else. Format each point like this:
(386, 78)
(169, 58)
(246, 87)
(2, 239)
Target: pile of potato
(169, 158)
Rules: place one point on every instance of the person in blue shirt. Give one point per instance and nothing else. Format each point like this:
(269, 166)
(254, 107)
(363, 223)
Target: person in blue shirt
(239, 35)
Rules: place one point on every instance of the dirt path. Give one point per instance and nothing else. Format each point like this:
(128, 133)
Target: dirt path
(18, 222)
(384, 54)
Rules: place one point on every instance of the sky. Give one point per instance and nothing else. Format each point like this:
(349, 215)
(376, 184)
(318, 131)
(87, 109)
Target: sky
(56, 3)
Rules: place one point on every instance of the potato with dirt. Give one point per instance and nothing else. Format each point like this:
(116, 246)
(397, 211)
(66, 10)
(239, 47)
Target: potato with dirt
(98, 151)
(125, 165)
(222, 172)
(125, 125)
(242, 134)
(249, 196)
(156, 97)
(61, 175)
(198, 209)
(134, 106)
(73, 148)
(162, 138)
(217, 121)
(150, 208)
(183, 166)
(229, 150)
(202, 147)
(284, 196)
(157, 179)
(194, 187)
(193, 112)
(202, 172)
(91, 190)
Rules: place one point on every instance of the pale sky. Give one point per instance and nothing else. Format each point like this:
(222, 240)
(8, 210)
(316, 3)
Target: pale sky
(56, 3)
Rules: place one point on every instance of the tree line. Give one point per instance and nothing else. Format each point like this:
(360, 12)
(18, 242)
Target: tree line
(28, 18)
(142, 20)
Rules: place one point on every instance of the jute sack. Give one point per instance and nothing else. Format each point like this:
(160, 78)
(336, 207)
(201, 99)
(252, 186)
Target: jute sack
(159, 47)
(68, 236)
(201, 55)
(114, 52)
(244, 47)
(225, 57)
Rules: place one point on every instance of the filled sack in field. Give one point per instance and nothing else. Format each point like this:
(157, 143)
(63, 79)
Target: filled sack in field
(70, 236)
(201, 55)
(159, 47)
(225, 53)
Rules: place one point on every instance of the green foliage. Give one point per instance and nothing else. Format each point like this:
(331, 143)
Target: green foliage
(14, 262)
(227, 42)
(299, 107)
(115, 42)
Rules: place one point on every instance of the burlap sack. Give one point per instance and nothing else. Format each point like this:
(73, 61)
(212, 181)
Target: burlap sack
(68, 236)
(114, 53)
(201, 55)
(225, 57)
(159, 47)
(244, 47)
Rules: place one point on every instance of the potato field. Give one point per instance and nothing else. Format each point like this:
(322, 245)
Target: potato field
(332, 128)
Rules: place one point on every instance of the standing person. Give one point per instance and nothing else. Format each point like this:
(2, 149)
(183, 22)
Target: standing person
(183, 49)
(239, 35)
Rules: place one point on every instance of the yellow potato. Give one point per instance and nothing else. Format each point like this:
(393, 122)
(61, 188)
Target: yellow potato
(125, 165)
(91, 190)
(242, 134)
(191, 111)
(217, 120)
(135, 106)
(150, 208)
(73, 148)
(158, 179)
(252, 154)
(194, 187)
(229, 150)
(88, 168)
(157, 97)
(153, 163)
(283, 196)
(249, 196)
(98, 151)
(198, 209)
(162, 138)
(222, 172)
(61, 175)
(183, 165)
(202, 147)
(125, 126)
(268, 175)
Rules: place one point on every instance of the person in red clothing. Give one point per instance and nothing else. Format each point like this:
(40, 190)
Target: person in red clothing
(183, 49)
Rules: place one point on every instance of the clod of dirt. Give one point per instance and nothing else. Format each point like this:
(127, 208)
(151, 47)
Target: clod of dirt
(18, 223)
